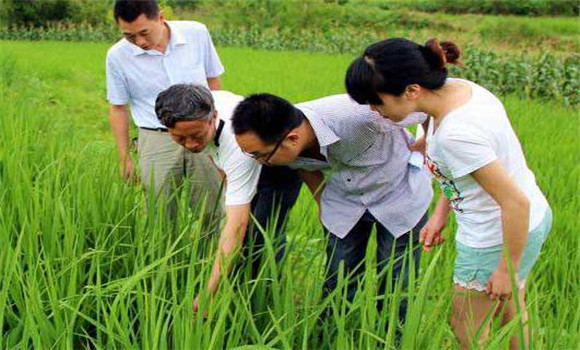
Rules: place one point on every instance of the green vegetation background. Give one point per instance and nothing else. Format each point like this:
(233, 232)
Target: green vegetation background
(529, 55)
(83, 264)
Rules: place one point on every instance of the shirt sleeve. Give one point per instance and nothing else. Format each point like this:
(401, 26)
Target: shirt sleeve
(242, 175)
(117, 91)
(466, 150)
(413, 118)
(213, 65)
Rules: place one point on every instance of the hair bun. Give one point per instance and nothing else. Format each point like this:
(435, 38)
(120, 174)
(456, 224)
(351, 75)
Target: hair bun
(446, 51)
(452, 52)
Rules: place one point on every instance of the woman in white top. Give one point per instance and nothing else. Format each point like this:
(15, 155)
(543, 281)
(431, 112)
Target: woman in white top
(502, 216)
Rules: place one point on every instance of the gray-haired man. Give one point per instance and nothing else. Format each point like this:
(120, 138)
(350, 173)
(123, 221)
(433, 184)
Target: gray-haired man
(198, 119)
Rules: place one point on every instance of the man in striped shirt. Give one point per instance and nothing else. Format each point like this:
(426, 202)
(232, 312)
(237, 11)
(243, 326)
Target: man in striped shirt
(359, 167)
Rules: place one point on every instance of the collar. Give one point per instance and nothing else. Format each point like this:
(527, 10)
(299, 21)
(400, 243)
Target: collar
(176, 37)
(218, 133)
(324, 134)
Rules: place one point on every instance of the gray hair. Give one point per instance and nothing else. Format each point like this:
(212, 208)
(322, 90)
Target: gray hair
(182, 102)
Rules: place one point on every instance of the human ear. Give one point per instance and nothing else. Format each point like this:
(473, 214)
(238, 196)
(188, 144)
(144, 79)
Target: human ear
(412, 91)
(293, 137)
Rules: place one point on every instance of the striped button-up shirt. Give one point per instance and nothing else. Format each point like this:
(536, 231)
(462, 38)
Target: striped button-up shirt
(370, 166)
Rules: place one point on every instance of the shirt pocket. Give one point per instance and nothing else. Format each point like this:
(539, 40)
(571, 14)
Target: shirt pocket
(189, 69)
(364, 156)
(192, 75)
(371, 151)
(361, 150)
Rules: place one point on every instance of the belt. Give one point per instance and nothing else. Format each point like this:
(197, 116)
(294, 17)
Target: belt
(154, 129)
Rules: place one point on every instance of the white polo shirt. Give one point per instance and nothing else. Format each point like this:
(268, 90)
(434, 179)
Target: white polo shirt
(136, 76)
(242, 172)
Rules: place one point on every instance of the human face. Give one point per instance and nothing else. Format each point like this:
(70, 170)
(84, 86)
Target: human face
(194, 135)
(285, 151)
(397, 108)
(146, 33)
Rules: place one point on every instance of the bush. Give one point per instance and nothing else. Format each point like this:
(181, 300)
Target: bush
(495, 7)
(37, 13)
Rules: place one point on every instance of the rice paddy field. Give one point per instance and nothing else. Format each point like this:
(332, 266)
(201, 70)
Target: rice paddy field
(83, 264)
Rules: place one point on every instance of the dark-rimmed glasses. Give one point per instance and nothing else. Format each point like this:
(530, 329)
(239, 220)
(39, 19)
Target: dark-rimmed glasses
(257, 156)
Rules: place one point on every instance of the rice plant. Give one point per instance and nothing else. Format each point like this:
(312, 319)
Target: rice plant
(85, 264)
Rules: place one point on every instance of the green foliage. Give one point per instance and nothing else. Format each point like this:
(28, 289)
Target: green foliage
(560, 35)
(307, 15)
(285, 13)
(494, 7)
(540, 77)
(512, 31)
(537, 76)
(83, 265)
(35, 13)
(42, 13)
(61, 32)
(94, 13)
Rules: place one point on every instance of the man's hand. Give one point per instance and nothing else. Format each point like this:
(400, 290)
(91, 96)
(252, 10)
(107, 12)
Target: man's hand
(498, 286)
(420, 145)
(430, 235)
(126, 171)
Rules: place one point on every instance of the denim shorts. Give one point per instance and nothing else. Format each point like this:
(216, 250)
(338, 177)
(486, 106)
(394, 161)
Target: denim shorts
(474, 266)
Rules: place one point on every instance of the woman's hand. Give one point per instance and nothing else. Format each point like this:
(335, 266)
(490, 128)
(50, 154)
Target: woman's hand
(430, 235)
(499, 285)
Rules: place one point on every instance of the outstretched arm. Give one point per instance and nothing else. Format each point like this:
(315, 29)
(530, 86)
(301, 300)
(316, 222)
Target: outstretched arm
(119, 120)
(515, 213)
(230, 244)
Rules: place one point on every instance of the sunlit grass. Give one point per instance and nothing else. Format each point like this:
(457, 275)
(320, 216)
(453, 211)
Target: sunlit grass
(83, 264)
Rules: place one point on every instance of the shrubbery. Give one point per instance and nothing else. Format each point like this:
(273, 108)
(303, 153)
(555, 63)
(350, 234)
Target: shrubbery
(316, 25)
(545, 76)
(42, 13)
(276, 12)
(492, 7)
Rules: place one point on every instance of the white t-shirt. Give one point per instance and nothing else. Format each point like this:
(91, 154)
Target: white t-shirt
(136, 76)
(242, 172)
(469, 138)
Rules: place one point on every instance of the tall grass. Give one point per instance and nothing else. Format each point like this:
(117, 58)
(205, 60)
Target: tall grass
(83, 264)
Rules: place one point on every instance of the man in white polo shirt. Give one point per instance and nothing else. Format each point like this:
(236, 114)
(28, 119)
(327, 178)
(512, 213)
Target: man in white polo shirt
(153, 55)
(198, 119)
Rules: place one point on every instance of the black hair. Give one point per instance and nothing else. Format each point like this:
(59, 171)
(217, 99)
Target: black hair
(389, 66)
(269, 116)
(129, 10)
(184, 102)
